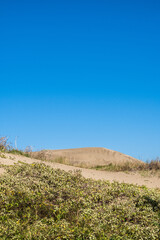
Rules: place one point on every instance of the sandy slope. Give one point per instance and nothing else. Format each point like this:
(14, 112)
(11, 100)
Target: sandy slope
(2, 170)
(88, 157)
(133, 178)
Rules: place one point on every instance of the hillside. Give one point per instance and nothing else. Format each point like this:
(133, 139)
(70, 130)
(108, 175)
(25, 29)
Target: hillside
(85, 157)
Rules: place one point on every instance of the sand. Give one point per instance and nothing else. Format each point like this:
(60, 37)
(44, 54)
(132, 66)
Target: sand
(2, 170)
(86, 157)
(132, 178)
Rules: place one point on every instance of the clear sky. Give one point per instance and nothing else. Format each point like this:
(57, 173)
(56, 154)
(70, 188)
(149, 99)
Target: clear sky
(81, 74)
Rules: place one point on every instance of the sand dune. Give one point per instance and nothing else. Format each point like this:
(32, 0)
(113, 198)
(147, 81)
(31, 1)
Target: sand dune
(86, 157)
(133, 178)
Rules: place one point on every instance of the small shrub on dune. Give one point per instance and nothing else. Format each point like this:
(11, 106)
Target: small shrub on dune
(7, 147)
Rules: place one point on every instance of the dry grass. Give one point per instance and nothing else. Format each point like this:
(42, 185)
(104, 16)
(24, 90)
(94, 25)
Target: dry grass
(4, 143)
(154, 165)
(148, 169)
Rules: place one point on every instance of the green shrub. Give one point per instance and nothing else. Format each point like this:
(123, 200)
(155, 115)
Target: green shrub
(38, 202)
(18, 152)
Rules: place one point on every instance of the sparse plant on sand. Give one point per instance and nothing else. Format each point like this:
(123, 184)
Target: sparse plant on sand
(5, 146)
(153, 165)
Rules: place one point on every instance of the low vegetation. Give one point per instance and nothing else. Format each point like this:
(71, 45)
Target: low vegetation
(38, 202)
(6, 147)
(151, 168)
(152, 165)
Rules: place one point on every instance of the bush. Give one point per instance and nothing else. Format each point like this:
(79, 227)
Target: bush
(38, 202)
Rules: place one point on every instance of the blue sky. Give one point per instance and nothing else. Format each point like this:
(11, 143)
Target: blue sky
(81, 74)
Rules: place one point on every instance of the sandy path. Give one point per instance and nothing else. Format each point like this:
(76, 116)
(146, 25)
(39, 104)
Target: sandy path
(132, 178)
